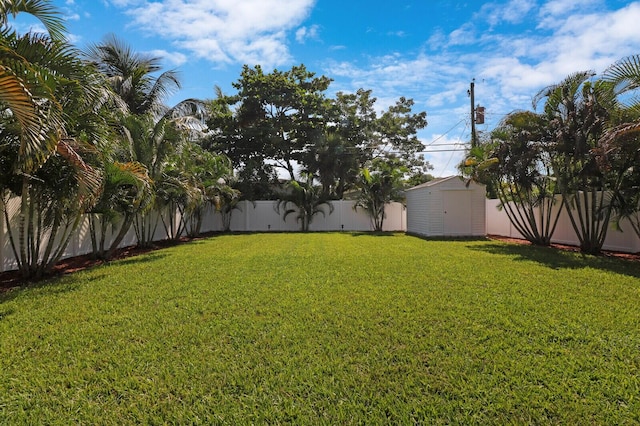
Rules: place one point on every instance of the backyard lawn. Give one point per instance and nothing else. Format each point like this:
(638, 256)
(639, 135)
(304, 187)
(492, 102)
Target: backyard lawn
(327, 328)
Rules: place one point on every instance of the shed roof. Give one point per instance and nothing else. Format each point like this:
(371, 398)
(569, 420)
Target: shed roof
(437, 181)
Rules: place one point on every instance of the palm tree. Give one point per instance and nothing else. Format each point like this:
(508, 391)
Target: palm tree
(40, 9)
(197, 183)
(26, 65)
(229, 200)
(334, 162)
(304, 199)
(579, 112)
(47, 98)
(378, 187)
(126, 191)
(132, 76)
(151, 131)
(622, 141)
(521, 172)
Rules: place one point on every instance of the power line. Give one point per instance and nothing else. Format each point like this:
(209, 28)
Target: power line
(451, 157)
(444, 134)
(447, 144)
(443, 150)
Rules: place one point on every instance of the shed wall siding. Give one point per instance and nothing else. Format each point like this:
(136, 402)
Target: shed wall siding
(417, 216)
(435, 209)
(425, 208)
(479, 218)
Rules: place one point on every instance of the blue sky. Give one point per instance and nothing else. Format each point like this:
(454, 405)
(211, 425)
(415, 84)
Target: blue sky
(428, 50)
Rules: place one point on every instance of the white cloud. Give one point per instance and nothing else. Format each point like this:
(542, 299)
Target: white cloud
(73, 38)
(399, 33)
(123, 3)
(307, 33)
(513, 12)
(23, 28)
(464, 35)
(244, 31)
(509, 69)
(580, 42)
(394, 74)
(174, 58)
(445, 152)
(553, 12)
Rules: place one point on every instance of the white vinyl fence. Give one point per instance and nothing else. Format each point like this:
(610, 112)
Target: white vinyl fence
(260, 216)
(498, 224)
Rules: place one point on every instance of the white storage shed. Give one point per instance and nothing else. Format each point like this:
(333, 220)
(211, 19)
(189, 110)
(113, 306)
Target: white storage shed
(448, 206)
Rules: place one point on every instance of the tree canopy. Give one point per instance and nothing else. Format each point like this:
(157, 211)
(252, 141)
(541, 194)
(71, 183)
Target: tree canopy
(283, 123)
(579, 152)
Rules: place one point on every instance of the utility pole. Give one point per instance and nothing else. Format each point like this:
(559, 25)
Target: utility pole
(473, 114)
(477, 114)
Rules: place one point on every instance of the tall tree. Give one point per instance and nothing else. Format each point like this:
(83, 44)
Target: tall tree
(345, 146)
(356, 134)
(256, 178)
(277, 115)
(396, 135)
(151, 131)
(520, 169)
(135, 77)
(578, 111)
(49, 101)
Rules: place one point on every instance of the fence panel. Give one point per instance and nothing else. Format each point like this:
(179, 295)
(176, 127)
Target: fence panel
(261, 216)
(624, 241)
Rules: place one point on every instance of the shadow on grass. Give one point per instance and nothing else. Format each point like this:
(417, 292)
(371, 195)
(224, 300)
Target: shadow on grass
(5, 313)
(426, 238)
(374, 234)
(560, 259)
(142, 258)
(47, 286)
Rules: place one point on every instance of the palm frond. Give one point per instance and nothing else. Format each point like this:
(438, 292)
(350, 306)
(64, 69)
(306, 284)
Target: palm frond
(43, 10)
(625, 74)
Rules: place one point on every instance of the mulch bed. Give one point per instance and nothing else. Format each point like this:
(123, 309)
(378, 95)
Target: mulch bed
(607, 253)
(12, 279)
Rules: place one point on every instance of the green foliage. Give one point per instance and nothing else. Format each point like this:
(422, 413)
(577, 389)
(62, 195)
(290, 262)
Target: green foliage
(278, 114)
(47, 13)
(578, 112)
(417, 178)
(51, 122)
(517, 163)
(304, 199)
(133, 76)
(621, 144)
(583, 148)
(197, 182)
(336, 328)
(379, 186)
(127, 191)
(282, 119)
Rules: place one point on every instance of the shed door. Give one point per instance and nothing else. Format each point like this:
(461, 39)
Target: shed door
(457, 212)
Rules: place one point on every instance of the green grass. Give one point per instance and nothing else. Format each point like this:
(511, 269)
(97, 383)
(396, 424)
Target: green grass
(327, 329)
